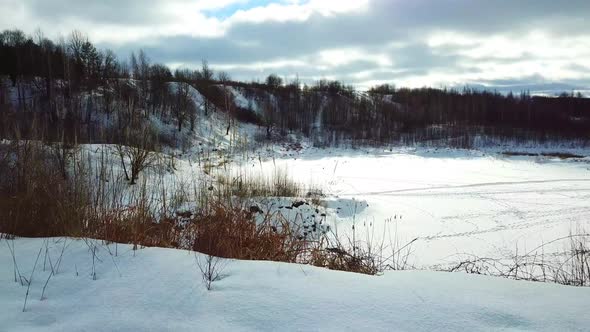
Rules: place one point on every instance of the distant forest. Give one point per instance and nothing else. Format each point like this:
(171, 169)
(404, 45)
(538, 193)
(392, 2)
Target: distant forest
(57, 89)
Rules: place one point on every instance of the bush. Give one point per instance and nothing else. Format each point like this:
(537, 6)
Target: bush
(234, 233)
(35, 198)
(247, 186)
(570, 267)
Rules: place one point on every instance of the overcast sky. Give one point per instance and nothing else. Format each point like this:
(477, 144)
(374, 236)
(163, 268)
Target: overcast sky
(361, 42)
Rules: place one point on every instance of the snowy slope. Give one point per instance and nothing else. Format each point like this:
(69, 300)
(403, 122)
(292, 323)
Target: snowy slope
(160, 290)
(211, 129)
(242, 102)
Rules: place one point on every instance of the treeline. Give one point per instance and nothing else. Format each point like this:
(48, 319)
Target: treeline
(71, 90)
(333, 113)
(78, 85)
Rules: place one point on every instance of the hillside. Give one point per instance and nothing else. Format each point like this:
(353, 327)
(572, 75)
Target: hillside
(73, 83)
(136, 197)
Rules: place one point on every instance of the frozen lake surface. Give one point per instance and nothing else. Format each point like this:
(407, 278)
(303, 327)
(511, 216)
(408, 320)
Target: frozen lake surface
(454, 202)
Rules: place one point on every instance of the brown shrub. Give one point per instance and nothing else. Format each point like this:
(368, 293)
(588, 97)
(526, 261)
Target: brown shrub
(35, 199)
(234, 233)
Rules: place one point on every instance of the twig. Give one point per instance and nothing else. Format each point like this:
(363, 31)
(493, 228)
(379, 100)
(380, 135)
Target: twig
(30, 281)
(14, 264)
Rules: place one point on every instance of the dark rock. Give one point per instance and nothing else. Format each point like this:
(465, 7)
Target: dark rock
(298, 204)
(256, 209)
(184, 214)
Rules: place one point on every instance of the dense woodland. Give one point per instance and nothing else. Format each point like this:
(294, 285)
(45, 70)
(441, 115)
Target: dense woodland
(70, 90)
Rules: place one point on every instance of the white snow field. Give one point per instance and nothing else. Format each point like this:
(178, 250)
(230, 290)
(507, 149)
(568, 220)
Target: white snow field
(157, 289)
(455, 202)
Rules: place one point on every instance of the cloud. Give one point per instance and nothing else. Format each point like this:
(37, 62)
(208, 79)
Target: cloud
(363, 42)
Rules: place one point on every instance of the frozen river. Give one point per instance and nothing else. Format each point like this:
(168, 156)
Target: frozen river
(454, 202)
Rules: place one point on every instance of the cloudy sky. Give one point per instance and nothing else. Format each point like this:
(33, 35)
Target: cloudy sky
(361, 42)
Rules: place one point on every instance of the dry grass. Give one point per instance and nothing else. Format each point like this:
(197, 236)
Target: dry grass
(234, 233)
(560, 155)
(366, 256)
(343, 258)
(243, 185)
(91, 201)
(35, 199)
(568, 267)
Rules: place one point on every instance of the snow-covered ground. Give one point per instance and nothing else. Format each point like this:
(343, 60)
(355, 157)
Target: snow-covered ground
(160, 290)
(455, 202)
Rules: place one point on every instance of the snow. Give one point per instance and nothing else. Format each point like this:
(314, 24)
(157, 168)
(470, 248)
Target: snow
(453, 201)
(158, 289)
(242, 102)
(210, 129)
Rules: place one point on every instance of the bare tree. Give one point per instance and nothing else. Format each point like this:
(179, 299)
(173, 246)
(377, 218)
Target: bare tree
(268, 112)
(206, 75)
(273, 81)
(181, 103)
(160, 75)
(110, 71)
(63, 151)
(142, 71)
(137, 155)
(210, 268)
(47, 47)
(224, 79)
(75, 49)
